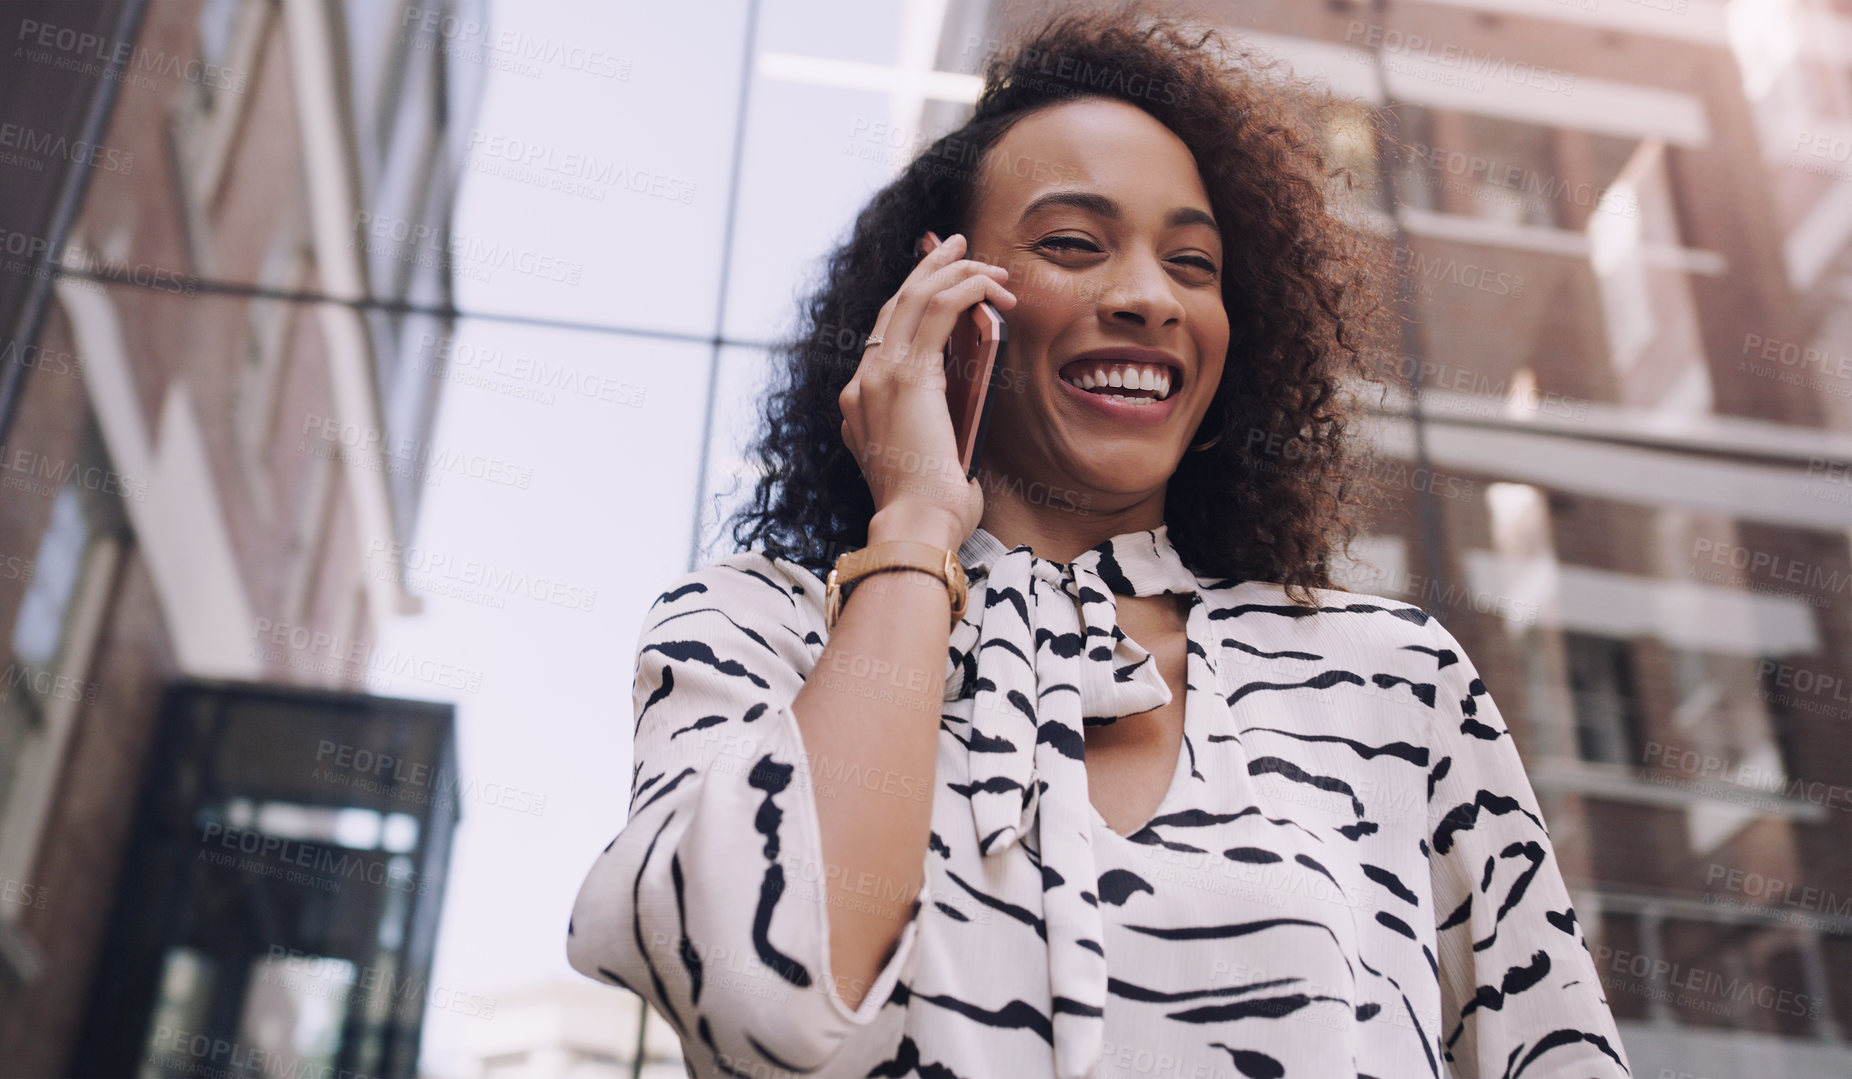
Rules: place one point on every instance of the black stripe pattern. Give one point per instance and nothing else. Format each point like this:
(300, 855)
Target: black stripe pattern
(1347, 876)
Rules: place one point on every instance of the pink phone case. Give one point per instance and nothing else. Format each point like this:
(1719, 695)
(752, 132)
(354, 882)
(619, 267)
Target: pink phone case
(973, 365)
(973, 370)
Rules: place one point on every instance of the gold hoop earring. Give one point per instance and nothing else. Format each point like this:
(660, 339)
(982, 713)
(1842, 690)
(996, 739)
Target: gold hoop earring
(1211, 442)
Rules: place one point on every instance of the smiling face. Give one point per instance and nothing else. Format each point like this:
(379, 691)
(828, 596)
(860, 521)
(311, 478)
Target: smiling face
(1099, 214)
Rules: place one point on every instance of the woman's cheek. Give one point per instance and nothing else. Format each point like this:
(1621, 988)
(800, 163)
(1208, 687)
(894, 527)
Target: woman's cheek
(1028, 321)
(1044, 304)
(1039, 286)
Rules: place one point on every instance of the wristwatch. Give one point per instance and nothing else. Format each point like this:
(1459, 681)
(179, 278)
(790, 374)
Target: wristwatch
(941, 562)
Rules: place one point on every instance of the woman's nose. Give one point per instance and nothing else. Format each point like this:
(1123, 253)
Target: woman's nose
(1141, 294)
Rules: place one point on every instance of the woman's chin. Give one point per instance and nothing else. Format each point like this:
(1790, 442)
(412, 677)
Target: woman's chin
(1089, 470)
(1115, 472)
(1126, 455)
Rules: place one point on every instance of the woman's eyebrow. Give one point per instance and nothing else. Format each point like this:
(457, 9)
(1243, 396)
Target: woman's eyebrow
(1095, 203)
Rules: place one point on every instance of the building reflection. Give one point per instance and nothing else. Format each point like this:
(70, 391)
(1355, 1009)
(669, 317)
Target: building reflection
(204, 871)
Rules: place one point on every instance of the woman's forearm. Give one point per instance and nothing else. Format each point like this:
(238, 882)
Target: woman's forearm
(872, 704)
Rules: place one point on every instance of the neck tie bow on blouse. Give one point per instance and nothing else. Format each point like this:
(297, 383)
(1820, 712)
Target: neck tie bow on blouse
(1049, 660)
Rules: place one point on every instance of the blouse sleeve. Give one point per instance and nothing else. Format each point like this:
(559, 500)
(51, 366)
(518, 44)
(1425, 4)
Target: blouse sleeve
(1519, 992)
(694, 905)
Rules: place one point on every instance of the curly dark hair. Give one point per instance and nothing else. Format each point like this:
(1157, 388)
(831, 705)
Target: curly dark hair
(1273, 498)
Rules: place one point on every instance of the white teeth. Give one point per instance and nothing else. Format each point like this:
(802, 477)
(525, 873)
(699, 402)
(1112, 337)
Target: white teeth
(1150, 377)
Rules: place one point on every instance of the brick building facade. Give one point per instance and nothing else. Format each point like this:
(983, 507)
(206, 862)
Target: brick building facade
(193, 476)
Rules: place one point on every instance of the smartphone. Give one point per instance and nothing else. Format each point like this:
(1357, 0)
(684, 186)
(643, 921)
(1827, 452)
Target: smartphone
(973, 373)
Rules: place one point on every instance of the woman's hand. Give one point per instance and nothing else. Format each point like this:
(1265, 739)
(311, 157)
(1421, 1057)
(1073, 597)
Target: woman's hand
(895, 417)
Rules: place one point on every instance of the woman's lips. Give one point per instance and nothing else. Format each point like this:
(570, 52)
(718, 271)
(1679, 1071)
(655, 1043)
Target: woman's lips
(1123, 410)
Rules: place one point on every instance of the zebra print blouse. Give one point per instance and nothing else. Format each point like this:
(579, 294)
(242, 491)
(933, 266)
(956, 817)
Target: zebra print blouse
(1348, 875)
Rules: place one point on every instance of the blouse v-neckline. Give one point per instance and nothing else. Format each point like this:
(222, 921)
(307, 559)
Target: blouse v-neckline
(1197, 721)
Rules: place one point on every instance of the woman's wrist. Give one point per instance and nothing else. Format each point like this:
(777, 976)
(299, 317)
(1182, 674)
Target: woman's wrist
(897, 589)
(922, 524)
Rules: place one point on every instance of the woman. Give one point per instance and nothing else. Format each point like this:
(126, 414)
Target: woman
(1139, 792)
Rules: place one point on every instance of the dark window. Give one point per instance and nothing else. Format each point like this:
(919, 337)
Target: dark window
(1601, 685)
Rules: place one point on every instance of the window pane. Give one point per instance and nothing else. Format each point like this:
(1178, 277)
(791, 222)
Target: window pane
(48, 598)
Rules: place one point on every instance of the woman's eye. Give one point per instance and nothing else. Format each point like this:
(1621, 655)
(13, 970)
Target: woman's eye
(1067, 243)
(1076, 243)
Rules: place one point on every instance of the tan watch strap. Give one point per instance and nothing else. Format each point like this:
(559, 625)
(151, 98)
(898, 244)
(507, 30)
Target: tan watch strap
(941, 562)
